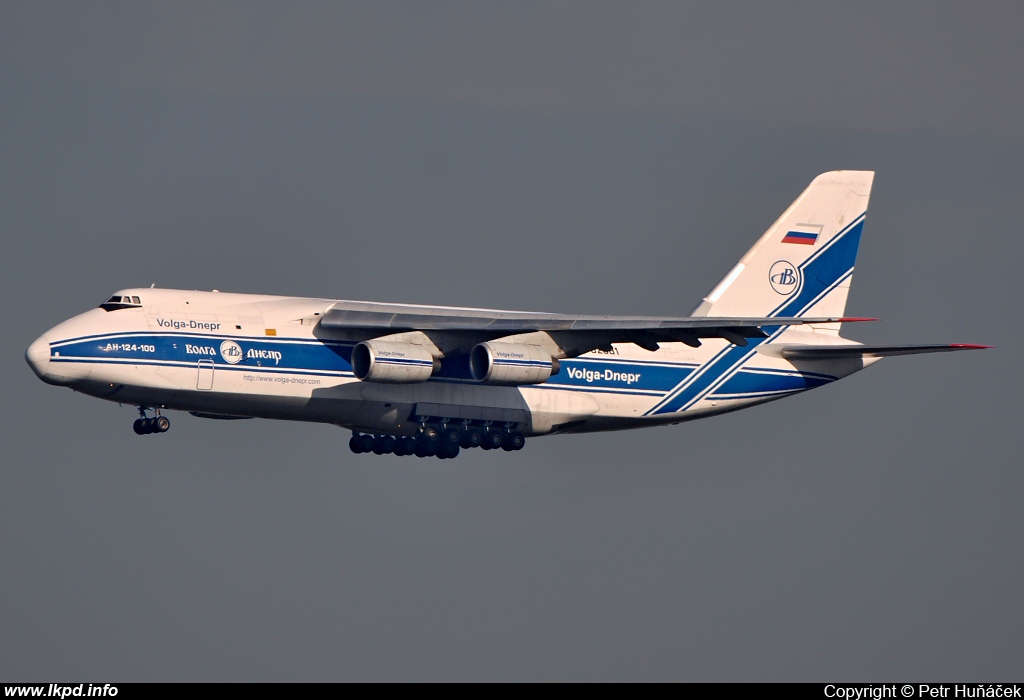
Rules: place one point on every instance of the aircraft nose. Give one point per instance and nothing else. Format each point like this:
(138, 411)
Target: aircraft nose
(38, 356)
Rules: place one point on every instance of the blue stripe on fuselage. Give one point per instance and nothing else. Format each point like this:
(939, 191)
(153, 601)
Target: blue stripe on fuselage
(167, 348)
(744, 382)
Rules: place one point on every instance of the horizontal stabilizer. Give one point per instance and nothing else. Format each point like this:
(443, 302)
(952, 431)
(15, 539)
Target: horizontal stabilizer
(835, 352)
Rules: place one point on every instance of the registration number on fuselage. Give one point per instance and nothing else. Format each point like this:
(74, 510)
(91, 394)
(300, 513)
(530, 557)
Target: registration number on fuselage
(128, 347)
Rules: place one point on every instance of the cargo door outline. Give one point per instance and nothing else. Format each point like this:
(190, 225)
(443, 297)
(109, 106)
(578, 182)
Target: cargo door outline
(204, 375)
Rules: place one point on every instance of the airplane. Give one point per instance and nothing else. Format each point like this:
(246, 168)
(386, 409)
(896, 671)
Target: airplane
(410, 379)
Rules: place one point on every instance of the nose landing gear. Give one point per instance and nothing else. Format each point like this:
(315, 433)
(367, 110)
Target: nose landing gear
(147, 426)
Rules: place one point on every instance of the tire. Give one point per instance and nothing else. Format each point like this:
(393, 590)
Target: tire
(493, 440)
(355, 444)
(472, 438)
(399, 450)
(139, 426)
(448, 451)
(378, 446)
(161, 424)
(451, 436)
(428, 441)
(513, 442)
(366, 443)
(388, 443)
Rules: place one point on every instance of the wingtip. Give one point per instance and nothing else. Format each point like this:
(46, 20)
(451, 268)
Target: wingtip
(857, 319)
(971, 346)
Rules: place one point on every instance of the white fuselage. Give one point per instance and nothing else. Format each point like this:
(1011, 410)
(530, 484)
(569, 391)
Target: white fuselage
(268, 357)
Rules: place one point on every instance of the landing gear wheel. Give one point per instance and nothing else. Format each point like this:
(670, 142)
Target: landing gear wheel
(399, 450)
(354, 444)
(448, 451)
(428, 442)
(161, 424)
(451, 435)
(472, 438)
(366, 443)
(493, 440)
(513, 441)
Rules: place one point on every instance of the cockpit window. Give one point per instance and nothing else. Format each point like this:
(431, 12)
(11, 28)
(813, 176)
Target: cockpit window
(121, 302)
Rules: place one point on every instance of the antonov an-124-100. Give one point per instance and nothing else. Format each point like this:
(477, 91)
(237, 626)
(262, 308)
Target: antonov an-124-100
(432, 380)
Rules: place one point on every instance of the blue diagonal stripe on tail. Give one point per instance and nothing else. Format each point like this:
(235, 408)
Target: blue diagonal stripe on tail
(821, 274)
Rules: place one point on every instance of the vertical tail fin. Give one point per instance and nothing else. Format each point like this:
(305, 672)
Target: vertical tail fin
(803, 263)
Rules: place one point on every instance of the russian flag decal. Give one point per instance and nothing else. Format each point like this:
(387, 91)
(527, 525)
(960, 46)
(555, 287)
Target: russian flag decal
(803, 235)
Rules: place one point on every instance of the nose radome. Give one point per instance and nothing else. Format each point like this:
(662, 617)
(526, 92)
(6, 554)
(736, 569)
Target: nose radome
(38, 356)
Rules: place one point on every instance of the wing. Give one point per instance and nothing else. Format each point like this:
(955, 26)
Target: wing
(465, 327)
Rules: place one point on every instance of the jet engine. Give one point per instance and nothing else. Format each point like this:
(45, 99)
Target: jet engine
(511, 363)
(392, 363)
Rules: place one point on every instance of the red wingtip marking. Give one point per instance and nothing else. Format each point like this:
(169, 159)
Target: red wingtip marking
(971, 346)
(856, 319)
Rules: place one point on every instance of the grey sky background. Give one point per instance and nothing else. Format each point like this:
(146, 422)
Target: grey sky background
(592, 158)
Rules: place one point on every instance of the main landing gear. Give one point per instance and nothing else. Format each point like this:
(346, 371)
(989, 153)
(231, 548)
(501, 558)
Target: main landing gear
(443, 442)
(146, 425)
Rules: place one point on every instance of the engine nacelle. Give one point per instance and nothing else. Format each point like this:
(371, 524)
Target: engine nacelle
(392, 363)
(511, 363)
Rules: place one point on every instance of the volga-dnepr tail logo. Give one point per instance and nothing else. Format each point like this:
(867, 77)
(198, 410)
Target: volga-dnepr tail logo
(784, 277)
(231, 352)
